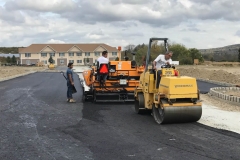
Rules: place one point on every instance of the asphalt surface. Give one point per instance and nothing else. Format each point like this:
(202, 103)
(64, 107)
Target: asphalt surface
(37, 123)
(204, 87)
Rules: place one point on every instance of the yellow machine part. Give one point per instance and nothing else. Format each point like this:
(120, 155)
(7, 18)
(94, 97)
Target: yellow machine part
(51, 66)
(179, 112)
(178, 87)
(175, 101)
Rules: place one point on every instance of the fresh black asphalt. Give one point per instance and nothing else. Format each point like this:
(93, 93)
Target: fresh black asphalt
(204, 87)
(36, 122)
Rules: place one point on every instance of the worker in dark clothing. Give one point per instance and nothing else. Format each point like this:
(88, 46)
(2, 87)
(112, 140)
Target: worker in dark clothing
(70, 83)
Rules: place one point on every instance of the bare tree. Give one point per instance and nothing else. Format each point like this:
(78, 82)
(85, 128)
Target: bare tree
(129, 47)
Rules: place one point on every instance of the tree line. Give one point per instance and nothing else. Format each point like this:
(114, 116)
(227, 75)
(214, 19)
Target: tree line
(8, 59)
(182, 54)
(9, 49)
(223, 56)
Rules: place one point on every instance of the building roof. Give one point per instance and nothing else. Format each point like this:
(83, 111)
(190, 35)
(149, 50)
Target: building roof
(88, 47)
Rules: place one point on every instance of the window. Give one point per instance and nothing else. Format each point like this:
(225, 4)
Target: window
(44, 61)
(79, 54)
(27, 54)
(79, 61)
(87, 53)
(61, 54)
(97, 53)
(52, 54)
(61, 61)
(28, 62)
(71, 61)
(114, 53)
(71, 54)
(43, 54)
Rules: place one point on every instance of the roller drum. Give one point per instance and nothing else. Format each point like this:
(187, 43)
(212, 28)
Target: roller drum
(177, 114)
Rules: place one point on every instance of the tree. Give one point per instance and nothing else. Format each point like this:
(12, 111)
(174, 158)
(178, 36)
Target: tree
(50, 60)
(117, 59)
(195, 54)
(179, 51)
(211, 59)
(239, 55)
(87, 60)
(14, 61)
(9, 60)
(130, 47)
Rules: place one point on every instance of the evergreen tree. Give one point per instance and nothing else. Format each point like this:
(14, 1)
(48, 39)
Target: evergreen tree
(50, 60)
(14, 61)
(239, 55)
(9, 60)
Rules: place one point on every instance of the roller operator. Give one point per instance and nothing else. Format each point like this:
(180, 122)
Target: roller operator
(160, 61)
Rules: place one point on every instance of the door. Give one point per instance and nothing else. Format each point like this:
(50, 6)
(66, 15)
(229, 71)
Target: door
(61, 61)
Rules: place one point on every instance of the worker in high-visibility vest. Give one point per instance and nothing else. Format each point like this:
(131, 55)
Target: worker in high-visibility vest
(103, 60)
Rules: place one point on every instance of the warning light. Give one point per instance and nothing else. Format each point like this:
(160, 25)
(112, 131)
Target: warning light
(175, 73)
(103, 69)
(119, 48)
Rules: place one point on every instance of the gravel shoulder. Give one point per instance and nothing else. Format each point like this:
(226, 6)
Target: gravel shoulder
(221, 104)
(8, 71)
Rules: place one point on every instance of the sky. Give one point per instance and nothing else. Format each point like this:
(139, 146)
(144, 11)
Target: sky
(200, 24)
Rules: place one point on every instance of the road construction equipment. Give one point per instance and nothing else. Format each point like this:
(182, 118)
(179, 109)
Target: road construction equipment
(51, 66)
(122, 77)
(175, 101)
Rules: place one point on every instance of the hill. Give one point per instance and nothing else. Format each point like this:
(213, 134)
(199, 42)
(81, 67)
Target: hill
(226, 53)
(9, 49)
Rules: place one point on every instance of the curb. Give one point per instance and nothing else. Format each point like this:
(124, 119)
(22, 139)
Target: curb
(215, 92)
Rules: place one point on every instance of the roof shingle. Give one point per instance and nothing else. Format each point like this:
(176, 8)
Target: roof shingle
(88, 47)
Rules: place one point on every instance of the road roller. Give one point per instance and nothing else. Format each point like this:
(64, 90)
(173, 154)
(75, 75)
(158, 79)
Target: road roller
(176, 100)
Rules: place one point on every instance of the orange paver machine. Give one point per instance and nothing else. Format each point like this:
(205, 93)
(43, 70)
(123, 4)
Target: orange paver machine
(112, 82)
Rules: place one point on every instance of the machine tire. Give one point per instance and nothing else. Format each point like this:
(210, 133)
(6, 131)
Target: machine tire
(158, 113)
(139, 104)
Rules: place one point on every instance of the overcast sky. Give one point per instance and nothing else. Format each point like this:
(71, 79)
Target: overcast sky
(194, 23)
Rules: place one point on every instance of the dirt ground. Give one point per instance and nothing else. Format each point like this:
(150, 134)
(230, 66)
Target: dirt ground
(7, 71)
(229, 74)
(216, 73)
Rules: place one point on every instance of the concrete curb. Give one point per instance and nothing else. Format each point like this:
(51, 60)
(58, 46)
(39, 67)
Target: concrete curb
(215, 92)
